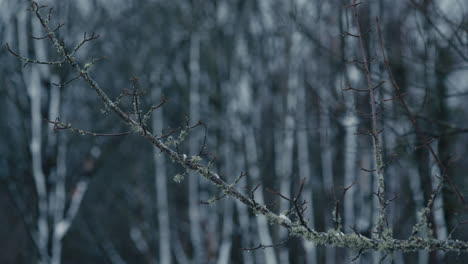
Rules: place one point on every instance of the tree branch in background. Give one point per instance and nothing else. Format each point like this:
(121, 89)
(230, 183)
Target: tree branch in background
(411, 117)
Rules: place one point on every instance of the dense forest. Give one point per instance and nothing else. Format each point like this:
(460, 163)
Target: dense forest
(231, 131)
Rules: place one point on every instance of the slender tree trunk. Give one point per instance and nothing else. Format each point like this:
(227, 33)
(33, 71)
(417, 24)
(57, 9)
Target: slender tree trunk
(285, 140)
(245, 227)
(350, 122)
(327, 167)
(254, 172)
(33, 82)
(58, 205)
(160, 181)
(238, 106)
(234, 159)
(283, 152)
(227, 226)
(305, 172)
(53, 218)
(35, 93)
(194, 148)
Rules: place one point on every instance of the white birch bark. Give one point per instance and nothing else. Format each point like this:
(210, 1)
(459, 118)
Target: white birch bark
(285, 140)
(241, 104)
(160, 181)
(59, 197)
(35, 94)
(267, 23)
(350, 122)
(53, 220)
(233, 165)
(325, 144)
(263, 230)
(194, 147)
(326, 162)
(32, 79)
(305, 172)
(227, 226)
(245, 222)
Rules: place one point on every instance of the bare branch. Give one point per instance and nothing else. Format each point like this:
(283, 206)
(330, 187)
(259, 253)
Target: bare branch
(62, 126)
(374, 112)
(260, 246)
(413, 120)
(83, 41)
(67, 82)
(28, 60)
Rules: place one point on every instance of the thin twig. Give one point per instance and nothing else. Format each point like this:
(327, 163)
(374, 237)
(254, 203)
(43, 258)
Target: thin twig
(377, 145)
(28, 60)
(62, 126)
(402, 101)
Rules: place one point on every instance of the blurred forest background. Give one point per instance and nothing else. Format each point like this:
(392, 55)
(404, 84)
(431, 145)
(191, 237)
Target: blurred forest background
(268, 79)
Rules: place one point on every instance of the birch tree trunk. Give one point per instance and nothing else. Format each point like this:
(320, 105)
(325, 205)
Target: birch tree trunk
(305, 172)
(262, 229)
(350, 122)
(285, 140)
(32, 79)
(54, 219)
(227, 225)
(35, 93)
(194, 148)
(234, 157)
(239, 106)
(326, 162)
(160, 181)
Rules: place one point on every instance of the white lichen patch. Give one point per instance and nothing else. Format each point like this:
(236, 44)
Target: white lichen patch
(178, 178)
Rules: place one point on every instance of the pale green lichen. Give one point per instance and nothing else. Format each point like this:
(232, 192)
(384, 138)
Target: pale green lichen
(387, 233)
(284, 218)
(136, 129)
(178, 178)
(336, 219)
(212, 201)
(195, 159)
(204, 171)
(182, 135)
(170, 141)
